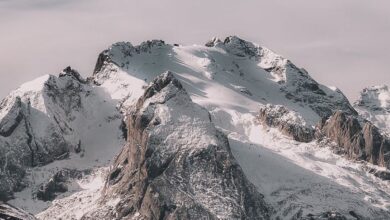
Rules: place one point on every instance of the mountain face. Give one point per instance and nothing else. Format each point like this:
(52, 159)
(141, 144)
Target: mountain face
(177, 167)
(290, 123)
(374, 105)
(296, 83)
(240, 60)
(47, 119)
(230, 130)
(359, 142)
(30, 137)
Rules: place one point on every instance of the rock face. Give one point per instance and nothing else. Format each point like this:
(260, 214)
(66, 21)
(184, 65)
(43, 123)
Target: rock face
(377, 146)
(40, 122)
(21, 148)
(288, 122)
(118, 53)
(8, 212)
(176, 164)
(57, 184)
(358, 142)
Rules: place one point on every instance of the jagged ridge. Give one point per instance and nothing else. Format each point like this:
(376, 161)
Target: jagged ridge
(43, 121)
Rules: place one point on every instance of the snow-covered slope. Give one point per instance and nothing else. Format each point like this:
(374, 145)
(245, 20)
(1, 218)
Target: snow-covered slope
(65, 122)
(235, 75)
(233, 79)
(374, 105)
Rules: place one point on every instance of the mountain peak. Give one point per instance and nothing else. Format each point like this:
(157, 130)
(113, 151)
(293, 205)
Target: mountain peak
(161, 82)
(376, 98)
(118, 53)
(240, 47)
(213, 42)
(68, 71)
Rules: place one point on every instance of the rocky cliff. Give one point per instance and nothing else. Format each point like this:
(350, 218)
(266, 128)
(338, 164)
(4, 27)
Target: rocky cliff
(46, 120)
(363, 142)
(290, 123)
(177, 165)
(32, 134)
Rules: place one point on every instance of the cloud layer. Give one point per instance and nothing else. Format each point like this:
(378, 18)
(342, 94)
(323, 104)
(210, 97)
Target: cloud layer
(340, 42)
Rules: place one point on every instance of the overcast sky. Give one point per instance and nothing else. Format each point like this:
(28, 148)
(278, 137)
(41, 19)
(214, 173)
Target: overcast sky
(343, 43)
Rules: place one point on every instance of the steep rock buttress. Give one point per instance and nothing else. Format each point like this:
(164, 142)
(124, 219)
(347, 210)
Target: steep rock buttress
(176, 164)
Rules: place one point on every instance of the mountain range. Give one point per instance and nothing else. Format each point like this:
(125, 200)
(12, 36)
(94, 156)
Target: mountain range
(225, 130)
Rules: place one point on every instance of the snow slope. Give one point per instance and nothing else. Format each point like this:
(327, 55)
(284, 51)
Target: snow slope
(215, 76)
(81, 114)
(307, 178)
(86, 196)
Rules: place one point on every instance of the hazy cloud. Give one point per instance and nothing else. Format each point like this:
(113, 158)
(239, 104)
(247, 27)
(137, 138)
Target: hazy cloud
(340, 42)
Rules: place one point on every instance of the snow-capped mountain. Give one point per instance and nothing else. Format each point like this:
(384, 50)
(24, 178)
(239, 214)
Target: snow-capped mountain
(52, 119)
(228, 130)
(374, 105)
(176, 164)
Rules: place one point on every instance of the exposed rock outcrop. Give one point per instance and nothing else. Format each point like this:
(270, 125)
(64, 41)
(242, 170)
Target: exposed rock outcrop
(40, 122)
(68, 71)
(177, 165)
(213, 42)
(119, 52)
(377, 146)
(241, 48)
(20, 147)
(57, 184)
(288, 122)
(358, 142)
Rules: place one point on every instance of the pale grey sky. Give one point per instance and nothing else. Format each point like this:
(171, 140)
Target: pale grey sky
(344, 43)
